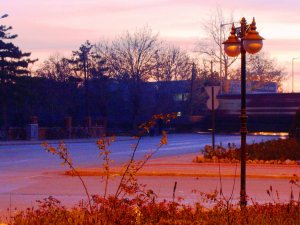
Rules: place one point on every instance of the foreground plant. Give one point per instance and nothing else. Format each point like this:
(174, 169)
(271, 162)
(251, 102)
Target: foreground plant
(62, 152)
(128, 184)
(104, 152)
(138, 211)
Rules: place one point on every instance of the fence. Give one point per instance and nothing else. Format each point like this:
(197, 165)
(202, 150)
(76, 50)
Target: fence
(34, 131)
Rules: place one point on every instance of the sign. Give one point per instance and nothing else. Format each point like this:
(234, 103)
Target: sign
(212, 102)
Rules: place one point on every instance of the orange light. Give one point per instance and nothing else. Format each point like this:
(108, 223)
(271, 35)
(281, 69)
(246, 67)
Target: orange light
(232, 46)
(232, 49)
(252, 42)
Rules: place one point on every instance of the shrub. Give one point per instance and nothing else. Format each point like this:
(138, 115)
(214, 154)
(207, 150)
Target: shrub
(280, 149)
(272, 152)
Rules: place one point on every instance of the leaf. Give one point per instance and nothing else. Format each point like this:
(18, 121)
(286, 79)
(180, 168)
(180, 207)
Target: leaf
(164, 139)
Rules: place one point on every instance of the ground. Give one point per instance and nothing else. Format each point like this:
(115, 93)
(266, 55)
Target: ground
(29, 173)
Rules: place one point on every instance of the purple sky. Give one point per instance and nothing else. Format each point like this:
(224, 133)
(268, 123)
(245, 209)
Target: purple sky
(46, 27)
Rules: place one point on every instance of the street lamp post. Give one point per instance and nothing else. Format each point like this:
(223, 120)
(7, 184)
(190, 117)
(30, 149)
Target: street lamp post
(241, 40)
(293, 59)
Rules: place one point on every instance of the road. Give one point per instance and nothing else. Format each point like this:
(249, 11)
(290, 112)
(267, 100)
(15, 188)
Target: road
(16, 157)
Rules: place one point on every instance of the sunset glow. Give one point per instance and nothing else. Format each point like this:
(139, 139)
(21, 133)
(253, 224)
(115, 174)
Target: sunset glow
(50, 26)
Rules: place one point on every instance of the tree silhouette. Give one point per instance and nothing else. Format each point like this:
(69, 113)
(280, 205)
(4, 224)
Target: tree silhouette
(91, 66)
(81, 61)
(133, 59)
(56, 67)
(13, 63)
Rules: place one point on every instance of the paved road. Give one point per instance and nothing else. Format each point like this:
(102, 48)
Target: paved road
(32, 157)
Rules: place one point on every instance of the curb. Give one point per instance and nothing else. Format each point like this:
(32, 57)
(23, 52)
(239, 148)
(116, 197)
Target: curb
(38, 142)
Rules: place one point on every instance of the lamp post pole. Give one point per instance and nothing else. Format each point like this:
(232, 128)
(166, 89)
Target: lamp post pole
(293, 59)
(243, 117)
(241, 40)
(221, 54)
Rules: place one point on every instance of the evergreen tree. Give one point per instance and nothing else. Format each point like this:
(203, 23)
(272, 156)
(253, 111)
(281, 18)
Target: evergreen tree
(81, 63)
(13, 63)
(89, 64)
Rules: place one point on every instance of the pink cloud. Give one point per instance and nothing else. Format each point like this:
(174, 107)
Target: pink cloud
(56, 25)
(283, 44)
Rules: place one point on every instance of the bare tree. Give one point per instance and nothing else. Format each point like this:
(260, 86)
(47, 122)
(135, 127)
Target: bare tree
(172, 64)
(263, 69)
(56, 67)
(133, 54)
(132, 57)
(216, 29)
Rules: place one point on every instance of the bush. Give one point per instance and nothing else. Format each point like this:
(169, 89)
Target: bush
(283, 150)
(220, 152)
(280, 149)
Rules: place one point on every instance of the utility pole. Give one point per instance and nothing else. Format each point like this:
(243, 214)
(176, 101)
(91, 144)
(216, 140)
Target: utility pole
(293, 59)
(193, 77)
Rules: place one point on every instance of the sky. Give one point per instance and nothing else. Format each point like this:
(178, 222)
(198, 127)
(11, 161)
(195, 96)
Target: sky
(48, 27)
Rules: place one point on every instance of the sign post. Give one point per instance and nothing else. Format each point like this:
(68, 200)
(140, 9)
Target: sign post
(212, 104)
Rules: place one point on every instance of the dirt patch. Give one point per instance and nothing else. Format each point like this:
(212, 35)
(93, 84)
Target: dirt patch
(182, 165)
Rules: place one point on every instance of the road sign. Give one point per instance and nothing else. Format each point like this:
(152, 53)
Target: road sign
(212, 102)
